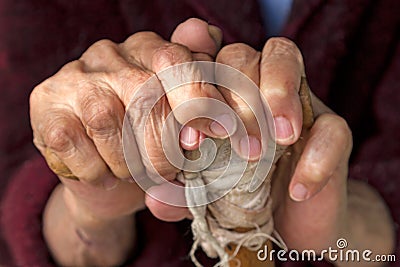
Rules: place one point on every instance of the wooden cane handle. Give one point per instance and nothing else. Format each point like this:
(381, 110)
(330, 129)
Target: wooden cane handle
(306, 103)
(251, 258)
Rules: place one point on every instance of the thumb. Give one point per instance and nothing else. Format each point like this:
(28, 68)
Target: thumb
(198, 36)
(202, 38)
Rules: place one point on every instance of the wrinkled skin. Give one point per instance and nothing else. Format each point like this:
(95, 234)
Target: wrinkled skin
(77, 115)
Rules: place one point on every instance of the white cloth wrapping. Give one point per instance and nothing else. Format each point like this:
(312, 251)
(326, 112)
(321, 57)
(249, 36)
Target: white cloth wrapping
(214, 224)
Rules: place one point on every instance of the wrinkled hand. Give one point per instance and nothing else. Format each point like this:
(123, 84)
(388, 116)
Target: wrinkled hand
(314, 202)
(309, 185)
(77, 115)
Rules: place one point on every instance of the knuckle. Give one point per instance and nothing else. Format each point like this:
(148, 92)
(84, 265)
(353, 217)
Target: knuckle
(236, 55)
(140, 40)
(281, 42)
(141, 36)
(36, 105)
(102, 45)
(131, 80)
(100, 49)
(99, 116)
(285, 95)
(278, 94)
(170, 54)
(59, 136)
(141, 91)
(67, 77)
(279, 46)
(69, 74)
(35, 96)
(74, 67)
(316, 172)
(341, 130)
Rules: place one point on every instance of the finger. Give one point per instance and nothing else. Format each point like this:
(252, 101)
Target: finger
(154, 132)
(198, 36)
(204, 41)
(245, 59)
(162, 210)
(156, 55)
(157, 147)
(102, 113)
(64, 136)
(59, 133)
(57, 166)
(102, 56)
(189, 138)
(280, 76)
(100, 100)
(113, 68)
(329, 145)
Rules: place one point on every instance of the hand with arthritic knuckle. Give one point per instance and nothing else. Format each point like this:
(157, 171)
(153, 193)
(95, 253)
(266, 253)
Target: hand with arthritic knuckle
(316, 181)
(77, 118)
(277, 71)
(77, 114)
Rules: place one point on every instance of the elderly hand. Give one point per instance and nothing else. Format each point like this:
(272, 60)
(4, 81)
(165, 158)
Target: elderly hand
(77, 118)
(314, 204)
(324, 160)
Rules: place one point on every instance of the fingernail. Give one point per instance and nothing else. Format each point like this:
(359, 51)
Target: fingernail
(222, 122)
(250, 147)
(284, 130)
(189, 136)
(216, 35)
(299, 192)
(110, 183)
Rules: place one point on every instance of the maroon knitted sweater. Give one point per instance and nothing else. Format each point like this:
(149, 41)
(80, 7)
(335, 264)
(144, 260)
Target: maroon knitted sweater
(352, 56)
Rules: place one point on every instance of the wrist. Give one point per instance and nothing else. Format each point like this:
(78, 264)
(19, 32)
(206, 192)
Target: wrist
(368, 226)
(79, 239)
(83, 214)
(93, 204)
